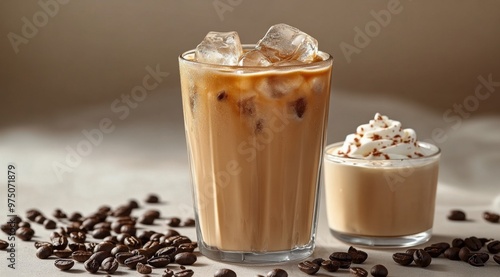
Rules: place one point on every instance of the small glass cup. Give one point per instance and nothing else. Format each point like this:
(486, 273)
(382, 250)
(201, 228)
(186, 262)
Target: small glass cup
(255, 138)
(383, 203)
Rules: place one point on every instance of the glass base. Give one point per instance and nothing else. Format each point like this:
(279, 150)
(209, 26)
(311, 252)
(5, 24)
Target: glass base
(388, 242)
(261, 258)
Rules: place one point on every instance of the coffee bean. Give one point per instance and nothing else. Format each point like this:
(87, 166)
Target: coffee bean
(146, 220)
(54, 235)
(491, 217)
(77, 246)
(119, 248)
(441, 245)
(59, 243)
(65, 253)
(100, 233)
(358, 256)
(475, 260)
(379, 271)
(473, 243)
(403, 258)
(24, 224)
(277, 272)
(121, 211)
(456, 215)
(458, 242)
(224, 272)
(104, 246)
(78, 237)
(3, 244)
(91, 265)
(143, 268)
(174, 222)
(184, 273)
(159, 262)
(32, 214)
(132, 242)
(318, 261)
(100, 256)
(411, 251)
(189, 222)
(25, 233)
(110, 265)
(121, 257)
(330, 266)
(128, 229)
(44, 252)
(358, 272)
(132, 261)
(452, 253)
(496, 258)
(464, 254)
(422, 258)
(39, 244)
(178, 240)
(343, 258)
(64, 264)
(40, 219)
(167, 273)
(308, 267)
(49, 224)
(185, 258)
(75, 216)
(493, 247)
(152, 199)
(483, 256)
(434, 252)
(81, 256)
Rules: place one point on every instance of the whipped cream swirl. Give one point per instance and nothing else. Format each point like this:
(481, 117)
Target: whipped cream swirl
(381, 139)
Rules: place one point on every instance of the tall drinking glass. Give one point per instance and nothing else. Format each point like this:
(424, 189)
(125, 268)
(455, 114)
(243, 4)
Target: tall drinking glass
(255, 137)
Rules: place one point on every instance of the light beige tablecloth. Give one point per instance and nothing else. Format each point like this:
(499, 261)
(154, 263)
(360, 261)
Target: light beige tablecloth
(146, 153)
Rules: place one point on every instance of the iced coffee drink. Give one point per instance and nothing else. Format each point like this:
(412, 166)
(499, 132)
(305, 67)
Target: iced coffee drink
(255, 119)
(380, 185)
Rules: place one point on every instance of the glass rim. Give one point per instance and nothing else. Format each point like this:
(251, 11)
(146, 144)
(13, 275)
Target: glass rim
(317, 64)
(328, 156)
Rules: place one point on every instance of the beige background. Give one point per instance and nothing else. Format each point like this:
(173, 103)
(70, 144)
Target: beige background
(91, 52)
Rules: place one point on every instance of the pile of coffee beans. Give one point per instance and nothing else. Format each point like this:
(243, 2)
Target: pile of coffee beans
(343, 260)
(467, 250)
(459, 215)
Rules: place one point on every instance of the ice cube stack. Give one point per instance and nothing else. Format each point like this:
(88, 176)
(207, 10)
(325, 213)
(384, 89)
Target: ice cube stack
(282, 45)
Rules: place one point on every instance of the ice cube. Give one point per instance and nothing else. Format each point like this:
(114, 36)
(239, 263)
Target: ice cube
(279, 86)
(284, 42)
(254, 58)
(222, 48)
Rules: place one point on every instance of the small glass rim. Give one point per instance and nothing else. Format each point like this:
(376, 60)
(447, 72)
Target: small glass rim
(331, 157)
(313, 65)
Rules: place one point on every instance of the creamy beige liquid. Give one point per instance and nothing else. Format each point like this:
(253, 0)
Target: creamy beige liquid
(380, 202)
(255, 145)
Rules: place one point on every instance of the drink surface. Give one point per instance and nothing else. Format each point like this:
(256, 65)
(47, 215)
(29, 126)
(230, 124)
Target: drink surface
(255, 138)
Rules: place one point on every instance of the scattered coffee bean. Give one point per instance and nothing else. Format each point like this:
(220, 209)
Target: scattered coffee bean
(133, 204)
(146, 220)
(81, 256)
(330, 266)
(464, 254)
(167, 273)
(128, 229)
(403, 258)
(491, 217)
(121, 211)
(411, 251)
(475, 260)
(132, 243)
(159, 262)
(189, 222)
(75, 216)
(458, 242)
(39, 244)
(483, 256)
(91, 265)
(44, 252)
(277, 272)
(484, 241)
(174, 222)
(308, 267)
(493, 247)
(32, 214)
(100, 233)
(452, 253)
(473, 243)
(24, 224)
(184, 273)
(225, 272)
(343, 258)
(3, 244)
(152, 199)
(441, 245)
(185, 258)
(25, 233)
(78, 237)
(104, 246)
(434, 252)
(121, 257)
(49, 224)
(422, 258)
(143, 268)
(64, 264)
(110, 265)
(65, 253)
(358, 256)
(496, 258)
(100, 256)
(358, 272)
(379, 271)
(318, 261)
(134, 260)
(40, 219)
(456, 215)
